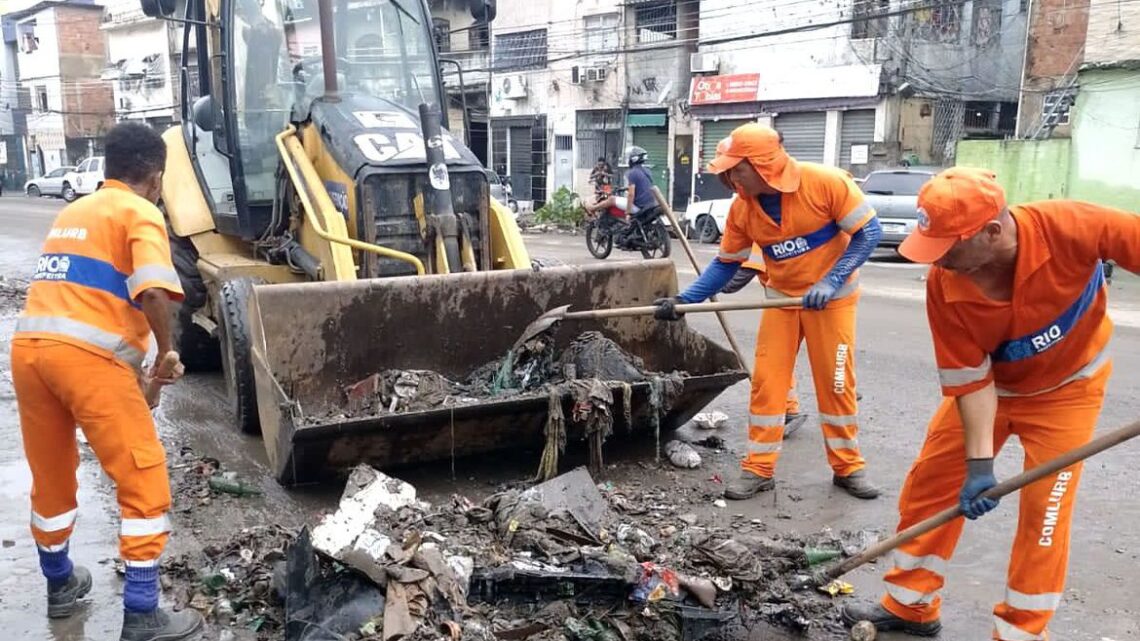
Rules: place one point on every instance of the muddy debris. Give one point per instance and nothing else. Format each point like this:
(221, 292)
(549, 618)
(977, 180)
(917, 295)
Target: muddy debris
(564, 559)
(13, 294)
(532, 367)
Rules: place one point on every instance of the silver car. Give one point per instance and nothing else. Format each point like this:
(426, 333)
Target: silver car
(50, 184)
(894, 195)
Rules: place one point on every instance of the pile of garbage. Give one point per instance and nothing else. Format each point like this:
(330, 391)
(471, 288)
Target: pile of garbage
(564, 559)
(532, 366)
(591, 375)
(13, 293)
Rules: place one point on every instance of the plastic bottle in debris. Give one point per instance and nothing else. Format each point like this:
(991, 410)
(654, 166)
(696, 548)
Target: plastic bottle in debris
(815, 556)
(232, 485)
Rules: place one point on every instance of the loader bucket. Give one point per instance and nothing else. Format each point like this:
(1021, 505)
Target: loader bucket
(312, 340)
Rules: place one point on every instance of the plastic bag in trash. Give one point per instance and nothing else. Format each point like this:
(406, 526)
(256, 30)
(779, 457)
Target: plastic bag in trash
(656, 583)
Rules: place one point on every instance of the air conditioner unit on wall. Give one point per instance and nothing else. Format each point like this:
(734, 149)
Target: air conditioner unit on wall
(596, 74)
(704, 62)
(513, 87)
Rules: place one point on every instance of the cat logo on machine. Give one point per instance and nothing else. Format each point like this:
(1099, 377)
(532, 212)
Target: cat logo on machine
(404, 145)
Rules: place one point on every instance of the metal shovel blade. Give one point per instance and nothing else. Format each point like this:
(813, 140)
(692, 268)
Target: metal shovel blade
(548, 319)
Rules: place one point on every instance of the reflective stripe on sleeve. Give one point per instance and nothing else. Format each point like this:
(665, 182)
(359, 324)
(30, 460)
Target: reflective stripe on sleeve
(739, 256)
(956, 376)
(149, 273)
(851, 220)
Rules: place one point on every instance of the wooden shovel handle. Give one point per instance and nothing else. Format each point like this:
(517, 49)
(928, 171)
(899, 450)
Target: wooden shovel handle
(647, 310)
(1008, 486)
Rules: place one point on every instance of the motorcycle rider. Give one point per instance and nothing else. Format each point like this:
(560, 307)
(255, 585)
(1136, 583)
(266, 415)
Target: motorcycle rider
(642, 198)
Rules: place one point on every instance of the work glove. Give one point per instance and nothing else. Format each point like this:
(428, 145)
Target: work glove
(667, 309)
(743, 276)
(819, 295)
(979, 478)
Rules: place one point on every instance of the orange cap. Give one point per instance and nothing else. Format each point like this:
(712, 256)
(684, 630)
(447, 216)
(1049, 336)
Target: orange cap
(761, 146)
(952, 206)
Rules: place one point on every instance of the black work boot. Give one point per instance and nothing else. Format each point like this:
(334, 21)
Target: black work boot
(748, 485)
(857, 485)
(160, 625)
(793, 422)
(883, 620)
(61, 600)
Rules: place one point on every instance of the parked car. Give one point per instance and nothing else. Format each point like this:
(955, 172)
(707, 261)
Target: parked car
(50, 184)
(894, 195)
(706, 218)
(86, 178)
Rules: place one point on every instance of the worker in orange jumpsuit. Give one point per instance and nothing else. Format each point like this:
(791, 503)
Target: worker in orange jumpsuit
(754, 268)
(815, 230)
(1017, 307)
(101, 288)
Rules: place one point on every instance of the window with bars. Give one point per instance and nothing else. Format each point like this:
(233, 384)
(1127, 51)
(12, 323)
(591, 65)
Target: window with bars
(940, 22)
(866, 21)
(987, 22)
(1056, 107)
(522, 50)
(599, 135)
(655, 21)
(601, 33)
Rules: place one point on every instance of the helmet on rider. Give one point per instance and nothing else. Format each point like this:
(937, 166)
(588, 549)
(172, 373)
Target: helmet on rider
(636, 155)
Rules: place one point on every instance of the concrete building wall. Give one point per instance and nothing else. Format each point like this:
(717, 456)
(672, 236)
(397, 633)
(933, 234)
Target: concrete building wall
(1027, 169)
(983, 55)
(1105, 166)
(1113, 33)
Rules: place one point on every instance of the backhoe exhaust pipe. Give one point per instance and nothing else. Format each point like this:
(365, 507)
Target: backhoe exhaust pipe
(328, 49)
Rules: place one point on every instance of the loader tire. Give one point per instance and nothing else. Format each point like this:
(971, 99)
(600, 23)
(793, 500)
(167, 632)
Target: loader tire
(237, 360)
(539, 262)
(200, 352)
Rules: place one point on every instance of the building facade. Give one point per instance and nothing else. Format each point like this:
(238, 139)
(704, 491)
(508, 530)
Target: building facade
(861, 84)
(1105, 159)
(60, 58)
(142, 63)
(569, 83)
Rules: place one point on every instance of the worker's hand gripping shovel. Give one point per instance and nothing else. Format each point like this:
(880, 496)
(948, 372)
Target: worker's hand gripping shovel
(1008, 486)
(558, 314)
(169, 367)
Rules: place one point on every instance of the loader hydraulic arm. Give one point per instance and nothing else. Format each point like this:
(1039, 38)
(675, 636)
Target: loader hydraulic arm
(309, 189)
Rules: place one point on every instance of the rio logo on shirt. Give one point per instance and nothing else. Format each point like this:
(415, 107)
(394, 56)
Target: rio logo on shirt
(789, 248)
(1045, 339)
(52, 267)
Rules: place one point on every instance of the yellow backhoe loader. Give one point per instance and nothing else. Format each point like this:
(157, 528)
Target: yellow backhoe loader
(326, 226)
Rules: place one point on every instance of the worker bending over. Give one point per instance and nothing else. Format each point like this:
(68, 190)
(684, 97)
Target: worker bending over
(1016, 302)
(816, 230)
(102, 286)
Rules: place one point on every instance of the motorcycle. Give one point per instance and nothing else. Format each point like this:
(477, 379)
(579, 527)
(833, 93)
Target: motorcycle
(642, 232)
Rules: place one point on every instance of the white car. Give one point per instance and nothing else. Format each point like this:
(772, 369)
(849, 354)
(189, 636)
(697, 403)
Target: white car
(707, 218)
(86, 178)
(50, 184)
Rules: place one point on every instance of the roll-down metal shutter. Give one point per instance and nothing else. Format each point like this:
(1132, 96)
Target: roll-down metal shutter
(857, 127)
(804, 134)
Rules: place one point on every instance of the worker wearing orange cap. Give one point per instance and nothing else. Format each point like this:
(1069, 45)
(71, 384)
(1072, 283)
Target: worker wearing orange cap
(1016, 302)
(815, 230)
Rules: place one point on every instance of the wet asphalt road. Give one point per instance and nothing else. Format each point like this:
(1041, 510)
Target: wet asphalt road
(896, 378)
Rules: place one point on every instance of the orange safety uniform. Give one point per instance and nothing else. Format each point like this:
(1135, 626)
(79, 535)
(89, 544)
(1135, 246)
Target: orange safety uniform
(76, 359)
(756, 262)
(1045, 352)
(817, 219)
